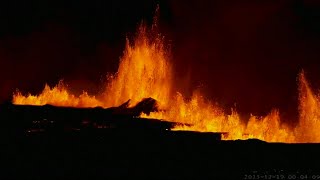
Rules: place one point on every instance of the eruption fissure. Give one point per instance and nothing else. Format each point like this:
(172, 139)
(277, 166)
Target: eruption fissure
(145, 71)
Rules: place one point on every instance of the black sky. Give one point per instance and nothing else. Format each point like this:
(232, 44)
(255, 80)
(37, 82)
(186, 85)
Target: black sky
(241, 51)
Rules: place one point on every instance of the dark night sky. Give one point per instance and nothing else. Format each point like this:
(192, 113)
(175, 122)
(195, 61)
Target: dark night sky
(242, 51)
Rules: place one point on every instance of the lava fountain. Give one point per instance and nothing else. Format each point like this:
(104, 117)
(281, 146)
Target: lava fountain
(145, 70)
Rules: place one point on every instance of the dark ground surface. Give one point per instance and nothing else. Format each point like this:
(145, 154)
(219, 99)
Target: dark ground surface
(166, 155)
(136, 150)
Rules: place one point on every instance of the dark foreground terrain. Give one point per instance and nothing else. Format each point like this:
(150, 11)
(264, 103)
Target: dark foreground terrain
(119, 154)
(116, 152)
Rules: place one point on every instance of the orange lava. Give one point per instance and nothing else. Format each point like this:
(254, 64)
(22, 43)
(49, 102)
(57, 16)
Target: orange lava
(145, 70)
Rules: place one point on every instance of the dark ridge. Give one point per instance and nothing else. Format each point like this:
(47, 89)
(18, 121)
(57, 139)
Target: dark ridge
(48, 142)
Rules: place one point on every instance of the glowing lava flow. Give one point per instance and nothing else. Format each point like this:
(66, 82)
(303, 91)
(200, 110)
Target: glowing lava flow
(58, 96)
(206, 117)
(145, 71)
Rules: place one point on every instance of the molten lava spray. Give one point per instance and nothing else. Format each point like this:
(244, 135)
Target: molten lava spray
(309, 112)
(145, 71)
